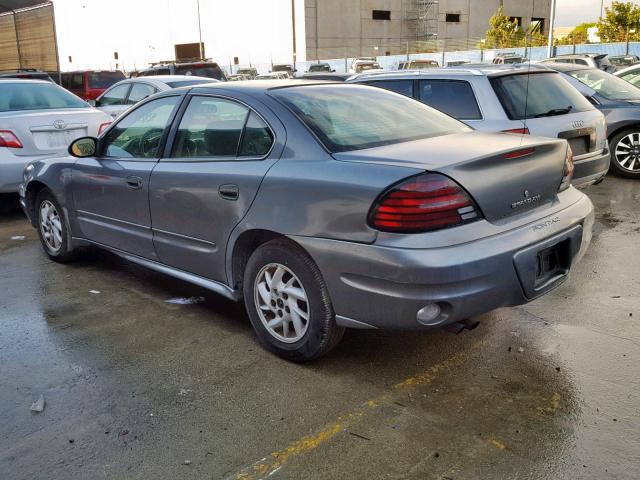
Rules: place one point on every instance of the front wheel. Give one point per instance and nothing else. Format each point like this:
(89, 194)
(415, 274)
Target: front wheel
(52, 228)
(288, 302)
(625, 153)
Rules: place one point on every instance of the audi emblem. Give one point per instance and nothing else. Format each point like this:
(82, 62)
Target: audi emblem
(578, 124)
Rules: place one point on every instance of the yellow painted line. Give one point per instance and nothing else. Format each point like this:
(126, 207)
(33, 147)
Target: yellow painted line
(276, 460)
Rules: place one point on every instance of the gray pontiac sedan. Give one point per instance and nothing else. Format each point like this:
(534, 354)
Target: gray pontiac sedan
(323, 206)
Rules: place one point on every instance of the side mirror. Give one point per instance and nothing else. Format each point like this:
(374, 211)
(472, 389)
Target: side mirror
(83, 147)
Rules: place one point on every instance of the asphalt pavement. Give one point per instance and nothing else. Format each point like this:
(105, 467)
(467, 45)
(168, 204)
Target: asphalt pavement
(139, 388)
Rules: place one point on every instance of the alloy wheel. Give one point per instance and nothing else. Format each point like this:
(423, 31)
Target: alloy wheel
(283, 306)
(628, 152)
(50, 226)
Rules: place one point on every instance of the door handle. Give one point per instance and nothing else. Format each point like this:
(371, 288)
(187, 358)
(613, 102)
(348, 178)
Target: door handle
(134, 183)
(229, 192)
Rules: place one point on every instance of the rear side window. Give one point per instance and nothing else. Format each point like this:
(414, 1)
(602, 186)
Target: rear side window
(403, 87)
(257, 138)
(76, 82)
(210, 70)
(453, 97)
(537, 95)
(115, 96)
(140, 91)
(36, 96)
(210, 127)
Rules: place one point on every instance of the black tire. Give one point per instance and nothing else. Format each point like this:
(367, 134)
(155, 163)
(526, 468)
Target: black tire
(322, 334)
(616, 167)
(65, 252)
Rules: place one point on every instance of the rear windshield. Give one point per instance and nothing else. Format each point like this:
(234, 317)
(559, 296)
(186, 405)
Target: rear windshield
(319, 68)
(209, 70)
(607, 85)
(353, 117)
(36, 96)
(282, 68)
(104, 79)
(537, 95)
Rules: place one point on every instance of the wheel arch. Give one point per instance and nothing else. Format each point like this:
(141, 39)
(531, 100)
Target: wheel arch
(31, 193)
(244, 246)
(634, 125)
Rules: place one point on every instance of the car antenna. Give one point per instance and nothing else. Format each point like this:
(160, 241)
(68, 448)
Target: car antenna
(527, 47)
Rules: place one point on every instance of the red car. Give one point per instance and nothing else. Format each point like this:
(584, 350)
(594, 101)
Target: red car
(90, 84)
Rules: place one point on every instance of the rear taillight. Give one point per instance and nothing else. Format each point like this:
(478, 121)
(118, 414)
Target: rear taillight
(8, 139)
(521, 131)
(423, 203)
(103, 127)
(567, 174)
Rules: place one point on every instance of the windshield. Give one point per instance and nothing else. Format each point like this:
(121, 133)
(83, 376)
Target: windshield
(363, 67)
(319, 68)
(537, 95)
(282, 68)
(422, 64)
(246, 71)
(211, 70)
(353, 117)
(607, 85)
(104, 79)
(36, 96)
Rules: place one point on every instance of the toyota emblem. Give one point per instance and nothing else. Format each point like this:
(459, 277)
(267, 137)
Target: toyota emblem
(59, 124)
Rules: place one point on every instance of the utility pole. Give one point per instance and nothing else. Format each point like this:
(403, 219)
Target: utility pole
(552, 21)
(200, 49)
(293, 27)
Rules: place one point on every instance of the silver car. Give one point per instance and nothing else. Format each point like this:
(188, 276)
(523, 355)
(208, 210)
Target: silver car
(119, 97)
(322, 205)
(516, 99)
(39, 119)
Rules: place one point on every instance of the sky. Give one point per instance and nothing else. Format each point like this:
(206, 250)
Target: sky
(256, 31)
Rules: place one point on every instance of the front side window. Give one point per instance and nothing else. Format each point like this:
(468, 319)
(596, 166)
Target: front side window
(403, 87)
(354, 117)
(607, 85)
(140, 91)
(21, 96)
(453, 97)
(538, 95)
(632, 77)
(115, 96)
(210, 127)
(139, 134)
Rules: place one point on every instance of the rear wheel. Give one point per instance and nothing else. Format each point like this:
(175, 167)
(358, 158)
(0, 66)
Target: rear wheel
(288, 302)
(625, 153)
(52, 228)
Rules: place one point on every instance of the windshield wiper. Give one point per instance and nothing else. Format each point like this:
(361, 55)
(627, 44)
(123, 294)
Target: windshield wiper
(554, 111)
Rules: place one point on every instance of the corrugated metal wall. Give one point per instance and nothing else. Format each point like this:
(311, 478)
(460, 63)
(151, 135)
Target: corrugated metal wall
(27, 40)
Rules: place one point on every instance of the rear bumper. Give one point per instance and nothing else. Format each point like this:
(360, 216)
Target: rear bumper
(590, 169)
(373, 286)
(11, 168)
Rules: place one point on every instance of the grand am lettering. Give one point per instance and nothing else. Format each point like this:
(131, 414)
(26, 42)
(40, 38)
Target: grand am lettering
(548, 223)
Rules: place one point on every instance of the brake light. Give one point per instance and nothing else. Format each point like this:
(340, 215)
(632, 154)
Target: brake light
(520, 131)
(567, 174)
(519, 153)
(8, 139)
(103, 127)
(423, 203)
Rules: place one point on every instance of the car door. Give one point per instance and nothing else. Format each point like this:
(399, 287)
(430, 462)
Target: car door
(221, 150)
(113, 101)
(111, 191)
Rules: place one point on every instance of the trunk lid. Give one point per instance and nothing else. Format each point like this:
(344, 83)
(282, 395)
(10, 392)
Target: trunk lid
(501, 182)
(49, 132)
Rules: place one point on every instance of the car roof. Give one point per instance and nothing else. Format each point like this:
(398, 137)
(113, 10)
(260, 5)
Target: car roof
(255, 86)
(168, 78)
(581, 55)
(567, 67)
(483, 70)
(22, 81)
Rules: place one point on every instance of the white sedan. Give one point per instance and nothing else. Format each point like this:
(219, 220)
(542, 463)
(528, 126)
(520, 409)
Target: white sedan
(120, 96)
(39, 119)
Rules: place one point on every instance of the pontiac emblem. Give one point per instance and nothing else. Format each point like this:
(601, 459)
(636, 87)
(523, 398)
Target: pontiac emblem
(59, 124)
(526, 194)
(528, 200)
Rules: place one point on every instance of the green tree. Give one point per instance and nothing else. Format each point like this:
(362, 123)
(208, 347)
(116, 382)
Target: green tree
(618, 20)
(503, 32)
(578, 35)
